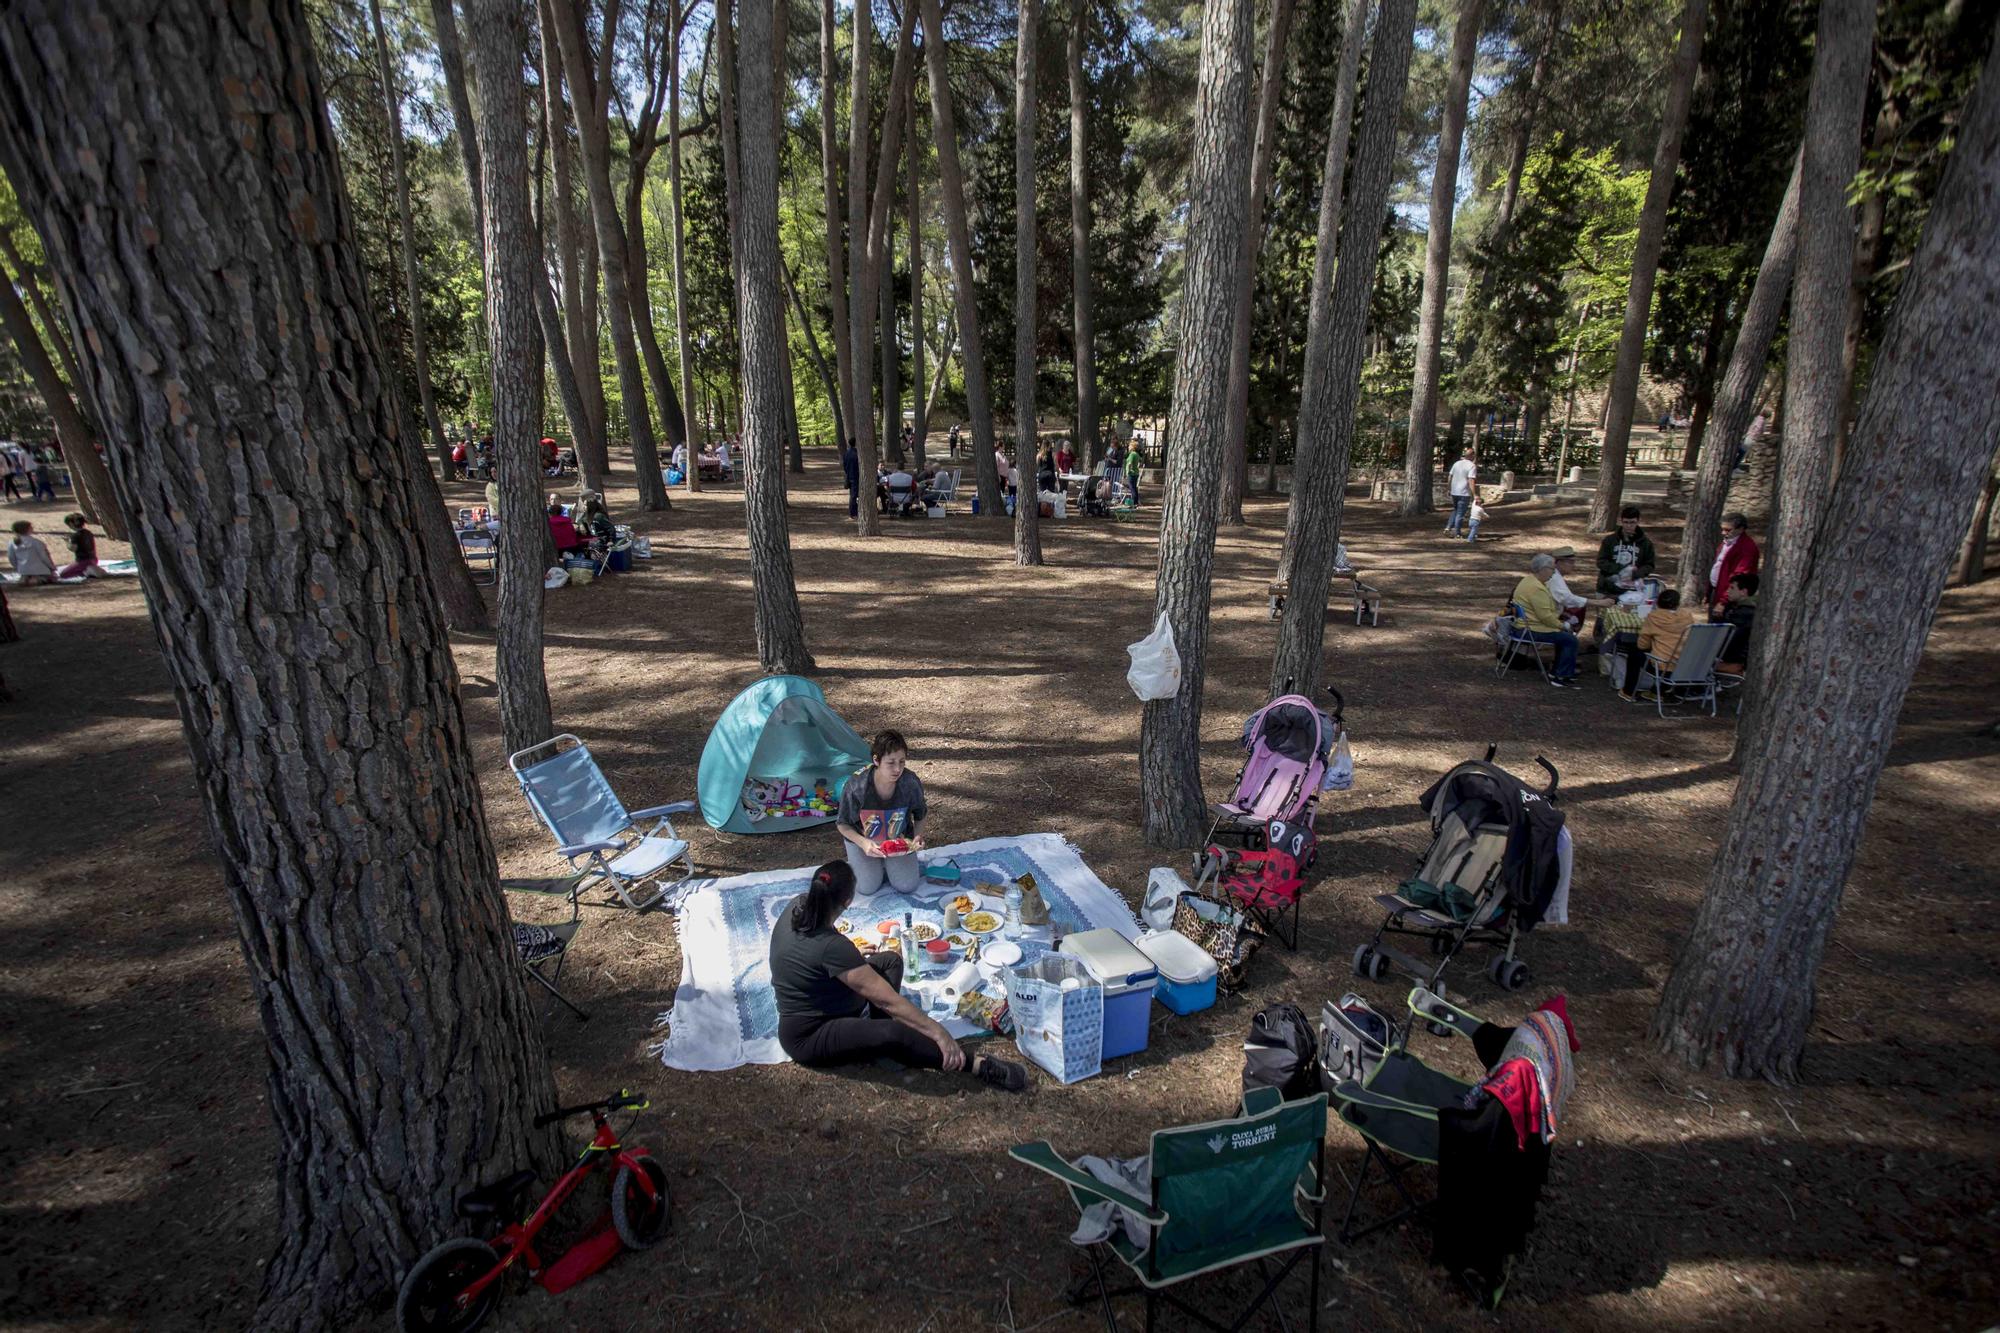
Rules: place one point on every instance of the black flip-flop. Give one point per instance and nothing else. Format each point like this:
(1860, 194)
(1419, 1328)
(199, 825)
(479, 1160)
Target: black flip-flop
(1002, 1074)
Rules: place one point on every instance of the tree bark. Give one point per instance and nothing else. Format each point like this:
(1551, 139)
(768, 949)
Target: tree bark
(1704, 380)
(1175, 813)
(636, 269)
(514, 337)
(94, 492)
(1620, 399)
(1741, 994)
(392, 107)
(951, 186)
(55, 328)
(836, 245)
(1736, 400)
(919, 406)
(1815, 364)
(1027, 508)
(283, 572)
(891, 343)
(781, 635)
(826, 372)
(1083, 300)
(1236, 436)
(692, 478)
(1332, 185)
(592, 122)
(1417, 462)
(860, 308)
(1869, 239)
(1521, 133)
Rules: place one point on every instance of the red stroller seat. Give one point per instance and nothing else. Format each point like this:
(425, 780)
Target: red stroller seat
(1267, 881)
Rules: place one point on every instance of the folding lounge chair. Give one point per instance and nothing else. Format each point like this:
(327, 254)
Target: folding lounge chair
(1242, 1191)
(1519, 637)
(482, 556)
(593, 830)
(1692, 675)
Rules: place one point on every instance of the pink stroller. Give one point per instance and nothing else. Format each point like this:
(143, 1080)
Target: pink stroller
(1289, 743)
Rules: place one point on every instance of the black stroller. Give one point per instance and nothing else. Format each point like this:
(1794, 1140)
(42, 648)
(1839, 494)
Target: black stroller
(1498, 859)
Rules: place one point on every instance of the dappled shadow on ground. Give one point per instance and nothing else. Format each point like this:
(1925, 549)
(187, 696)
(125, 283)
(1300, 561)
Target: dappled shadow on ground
(138, 1189)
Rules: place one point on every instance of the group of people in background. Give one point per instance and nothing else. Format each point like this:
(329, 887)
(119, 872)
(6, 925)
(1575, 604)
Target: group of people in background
(31, 559)
(1553, 612)
(472, 457)
(30, 467)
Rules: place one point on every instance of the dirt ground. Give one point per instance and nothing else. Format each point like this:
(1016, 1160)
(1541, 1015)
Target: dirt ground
(136, 1185)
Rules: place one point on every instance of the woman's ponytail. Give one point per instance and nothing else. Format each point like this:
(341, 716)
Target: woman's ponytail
(831, 890)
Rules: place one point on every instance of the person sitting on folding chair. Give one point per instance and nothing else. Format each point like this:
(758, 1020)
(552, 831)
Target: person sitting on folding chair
(1544, 619)
(1660, 635)
(600, 527)
(837, 1008)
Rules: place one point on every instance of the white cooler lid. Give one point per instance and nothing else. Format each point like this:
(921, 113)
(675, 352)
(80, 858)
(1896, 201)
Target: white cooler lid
(1179, 958)
(1111, 958)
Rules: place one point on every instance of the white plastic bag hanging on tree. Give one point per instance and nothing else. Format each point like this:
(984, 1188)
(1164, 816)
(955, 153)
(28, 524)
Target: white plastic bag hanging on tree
(1155, 672)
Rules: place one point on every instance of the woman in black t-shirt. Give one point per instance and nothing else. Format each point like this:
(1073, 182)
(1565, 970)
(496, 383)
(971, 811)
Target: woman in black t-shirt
(836, 1008)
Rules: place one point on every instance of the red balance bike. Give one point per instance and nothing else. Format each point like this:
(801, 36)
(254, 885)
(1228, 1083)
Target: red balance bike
(454, 1287)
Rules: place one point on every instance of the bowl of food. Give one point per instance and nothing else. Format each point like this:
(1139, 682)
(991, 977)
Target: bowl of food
(981, 922)
(924, 931)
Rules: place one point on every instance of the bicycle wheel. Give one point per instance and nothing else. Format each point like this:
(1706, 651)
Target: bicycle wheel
(428, 1300)
(640, 1221)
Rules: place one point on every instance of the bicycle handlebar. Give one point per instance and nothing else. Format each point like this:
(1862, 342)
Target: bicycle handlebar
(623, 1100)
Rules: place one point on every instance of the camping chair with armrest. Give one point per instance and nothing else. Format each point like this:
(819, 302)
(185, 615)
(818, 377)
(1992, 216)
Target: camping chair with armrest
(1519, 636)
(1224, 1194)
(943, 488)
(482, 555)
(1692, 675)
(606, 843)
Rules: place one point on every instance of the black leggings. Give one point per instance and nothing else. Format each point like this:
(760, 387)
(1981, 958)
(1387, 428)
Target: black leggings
(820, 1041)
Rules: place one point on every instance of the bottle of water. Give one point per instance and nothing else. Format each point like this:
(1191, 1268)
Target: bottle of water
(1013, 911)
(912, 966)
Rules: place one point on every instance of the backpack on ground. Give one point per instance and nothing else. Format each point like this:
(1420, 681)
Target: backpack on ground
(1352, 1039)
(1279, 1052)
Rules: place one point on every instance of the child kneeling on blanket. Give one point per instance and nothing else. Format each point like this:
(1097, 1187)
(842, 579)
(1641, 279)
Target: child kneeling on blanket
(836, 1008)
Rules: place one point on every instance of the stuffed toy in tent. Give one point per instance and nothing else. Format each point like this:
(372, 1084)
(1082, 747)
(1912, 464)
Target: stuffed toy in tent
(777, 759)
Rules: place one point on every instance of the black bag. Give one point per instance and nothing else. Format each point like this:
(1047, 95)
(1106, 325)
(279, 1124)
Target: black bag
(1279, 1052)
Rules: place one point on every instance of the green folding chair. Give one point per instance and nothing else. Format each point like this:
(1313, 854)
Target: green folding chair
(1233, 1192)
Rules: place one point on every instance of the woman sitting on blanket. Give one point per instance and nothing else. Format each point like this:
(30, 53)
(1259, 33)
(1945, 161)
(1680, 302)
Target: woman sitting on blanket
(882, 802)
(836, 1008)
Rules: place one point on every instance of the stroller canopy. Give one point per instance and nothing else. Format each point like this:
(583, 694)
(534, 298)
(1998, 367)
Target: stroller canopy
(1483, 793)
(1292, 726)
(776, 759)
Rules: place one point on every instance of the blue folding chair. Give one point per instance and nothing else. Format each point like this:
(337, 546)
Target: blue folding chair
(1518, 637)
(602, 840)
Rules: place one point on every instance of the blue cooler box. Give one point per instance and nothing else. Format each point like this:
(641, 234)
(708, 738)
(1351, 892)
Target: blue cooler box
(1187, 974)
(1127, 976)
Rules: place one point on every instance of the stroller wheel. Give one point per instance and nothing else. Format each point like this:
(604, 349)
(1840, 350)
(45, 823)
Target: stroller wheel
(1511, 973)
(1364, 964)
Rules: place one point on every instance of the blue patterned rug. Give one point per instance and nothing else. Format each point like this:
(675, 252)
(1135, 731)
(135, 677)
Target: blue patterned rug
(725, 1013)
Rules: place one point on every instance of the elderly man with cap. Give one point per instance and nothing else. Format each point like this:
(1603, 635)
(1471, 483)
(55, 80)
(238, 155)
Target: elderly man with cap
(1568, 604)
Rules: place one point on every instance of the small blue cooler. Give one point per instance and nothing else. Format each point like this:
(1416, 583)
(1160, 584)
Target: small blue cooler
(1127, 976)
(619, 558)
(1187, 973)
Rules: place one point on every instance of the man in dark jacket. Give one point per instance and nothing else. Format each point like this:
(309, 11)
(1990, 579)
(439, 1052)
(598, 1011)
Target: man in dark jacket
(850, 467)
(1625, 555)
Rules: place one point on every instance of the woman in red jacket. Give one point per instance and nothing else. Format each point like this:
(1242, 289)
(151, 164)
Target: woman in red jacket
(1736, 555)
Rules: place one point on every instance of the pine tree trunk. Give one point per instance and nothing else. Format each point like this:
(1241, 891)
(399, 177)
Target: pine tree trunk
(316, 685)
(1521, 133)
(94, 492)
(1741, 994)
(579, 277)
(53, 326)
(826, 372)
(392, 106)
(836, 245)
(951, 186)
(1972, 554)
(892, 352)
(1815, 340)
(692, 478)
(514, 338)
(1175, 812)
(1336, 345)
(1236, 438)
(1027, 507)
(919, 406)
(1736, 400)
(1869, 238)
(1332, 185)
(1083, 301)
(1417, 460)
(596, 137)
(637, 272)
(1620, 399)
(861, 308)
(781, 634)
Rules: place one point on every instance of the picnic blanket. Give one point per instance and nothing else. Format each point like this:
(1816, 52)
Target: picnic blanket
(725, 1013)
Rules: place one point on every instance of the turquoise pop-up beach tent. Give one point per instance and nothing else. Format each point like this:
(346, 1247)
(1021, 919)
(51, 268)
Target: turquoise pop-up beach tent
(776, 759)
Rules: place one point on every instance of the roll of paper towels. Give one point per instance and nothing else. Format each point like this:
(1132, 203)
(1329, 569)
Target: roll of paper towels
(963, 978)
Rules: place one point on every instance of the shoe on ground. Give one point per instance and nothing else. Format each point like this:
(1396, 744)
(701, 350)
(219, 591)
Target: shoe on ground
(1628, 698)
(1563, 682)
